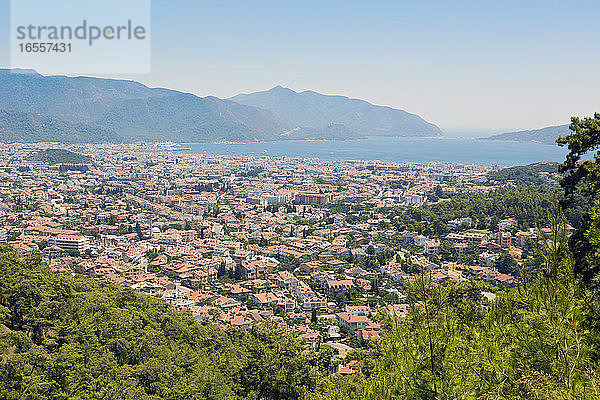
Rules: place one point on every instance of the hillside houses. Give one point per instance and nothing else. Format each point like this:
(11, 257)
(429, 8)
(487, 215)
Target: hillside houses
(221, 236)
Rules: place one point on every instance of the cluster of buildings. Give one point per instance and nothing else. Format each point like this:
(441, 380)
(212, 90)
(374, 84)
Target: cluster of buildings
(236, 240)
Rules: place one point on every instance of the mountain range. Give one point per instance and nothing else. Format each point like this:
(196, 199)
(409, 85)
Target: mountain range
(37, 108)
(309, 113)
(546, 135)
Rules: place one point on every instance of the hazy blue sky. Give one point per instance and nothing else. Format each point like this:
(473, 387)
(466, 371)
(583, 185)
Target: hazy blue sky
(464, 65)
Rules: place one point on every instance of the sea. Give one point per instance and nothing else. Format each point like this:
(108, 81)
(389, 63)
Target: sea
(395, 149)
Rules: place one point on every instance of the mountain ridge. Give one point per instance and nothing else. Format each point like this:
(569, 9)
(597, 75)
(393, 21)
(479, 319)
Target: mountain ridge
(94, 109)
(546, 135)
(315, 111)
(134, 111)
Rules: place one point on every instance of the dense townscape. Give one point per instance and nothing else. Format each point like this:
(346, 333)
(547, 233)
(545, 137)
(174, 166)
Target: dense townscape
(320, 248)
(140, 271)
(257, 200)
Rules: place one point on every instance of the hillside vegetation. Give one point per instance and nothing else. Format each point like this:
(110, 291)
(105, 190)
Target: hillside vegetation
(531, 342)
(70, 337)
(528, 204)
(524, 174)
(61, 156)
(65, 337)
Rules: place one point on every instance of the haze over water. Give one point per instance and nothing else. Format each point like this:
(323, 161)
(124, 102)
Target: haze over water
(397, 149)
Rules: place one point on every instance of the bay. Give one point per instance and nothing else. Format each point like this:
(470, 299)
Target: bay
(395, 149)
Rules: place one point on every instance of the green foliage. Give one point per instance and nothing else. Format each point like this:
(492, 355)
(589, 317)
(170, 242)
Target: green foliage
(524, 175)
(506, 264)
(581, 183)
(61, 156)
(65, 337)
(531, 342)
(528, 205)
(325, 360)
(70, 167)
(581, 180)
(581, 176)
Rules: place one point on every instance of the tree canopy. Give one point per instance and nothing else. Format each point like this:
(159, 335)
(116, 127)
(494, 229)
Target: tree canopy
(69, 337)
